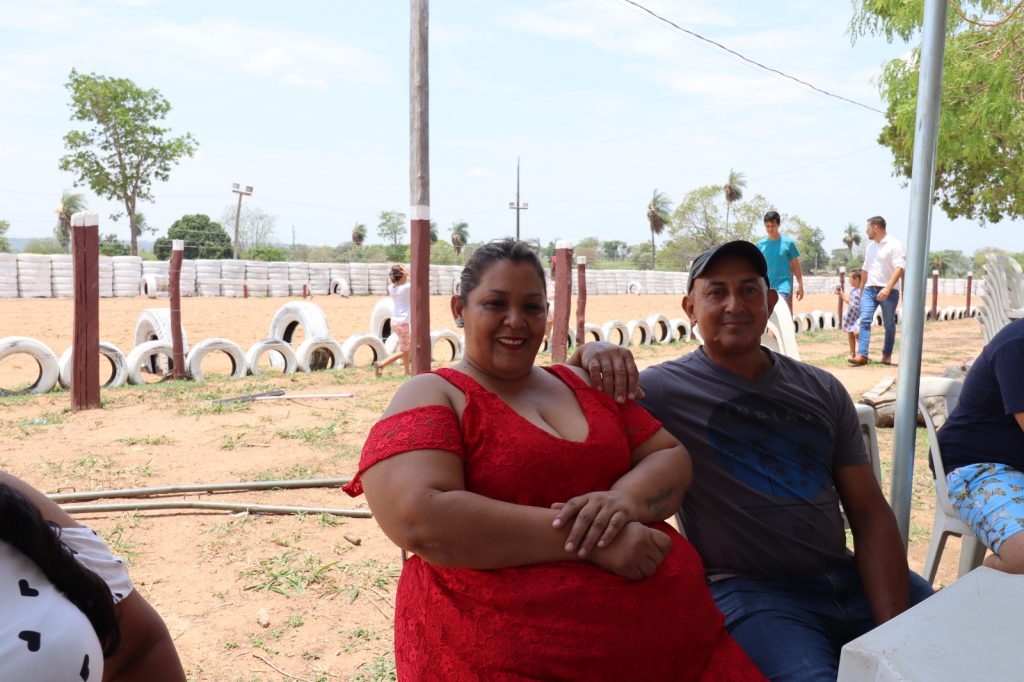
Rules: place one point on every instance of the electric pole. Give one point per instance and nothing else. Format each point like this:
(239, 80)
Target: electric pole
(516, 206)
(419, 184)
(238, 211)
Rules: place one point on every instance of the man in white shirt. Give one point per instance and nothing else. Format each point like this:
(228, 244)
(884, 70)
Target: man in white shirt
(884, 261)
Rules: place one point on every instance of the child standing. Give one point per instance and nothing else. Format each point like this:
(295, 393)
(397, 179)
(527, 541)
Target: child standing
(399, 288)
(851, 320)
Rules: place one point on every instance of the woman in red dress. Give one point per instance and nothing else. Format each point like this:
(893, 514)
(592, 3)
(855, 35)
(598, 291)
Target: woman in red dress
(535, 505)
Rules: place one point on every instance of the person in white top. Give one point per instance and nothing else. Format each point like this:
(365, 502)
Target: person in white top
(400, 290)
(884, 261)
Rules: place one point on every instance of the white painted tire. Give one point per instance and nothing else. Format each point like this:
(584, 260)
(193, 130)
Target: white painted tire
(592, 332)
(154, 324)
(646, 335)
(802, 322)
(817, 320)
(318, 353)
(380, 318)
(949, 313)
(194, 360)
(634, 288)
(341, 288)
(961, 312)
(283, 356)
(680, 329)
(829, 320)
(615, 332)
(145, 355)
(391, 345)
(454, 343)
(108, 350)
(570, 341)
(149, 286)
(356, 341)
(661, 328)
(299, 313)
(49, 370)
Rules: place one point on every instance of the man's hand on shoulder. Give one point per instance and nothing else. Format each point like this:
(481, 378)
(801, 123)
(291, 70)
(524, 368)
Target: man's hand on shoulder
(611, 368)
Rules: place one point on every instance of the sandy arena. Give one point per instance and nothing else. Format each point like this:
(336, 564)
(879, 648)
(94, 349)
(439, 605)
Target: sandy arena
(327, 584)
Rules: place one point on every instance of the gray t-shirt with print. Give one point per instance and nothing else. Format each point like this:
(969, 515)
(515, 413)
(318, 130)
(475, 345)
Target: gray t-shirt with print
(763, 501)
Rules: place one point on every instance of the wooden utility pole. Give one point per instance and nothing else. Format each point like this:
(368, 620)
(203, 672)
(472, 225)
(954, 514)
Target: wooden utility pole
(85, 345)
(419, 185)
(581, 300)
(247, 191)
(517, 206)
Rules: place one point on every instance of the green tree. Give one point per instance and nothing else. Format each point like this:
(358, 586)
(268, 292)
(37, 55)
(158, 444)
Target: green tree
(5, 246)
(124, 149)
(980, 257)
(809, 240)
(391, 226)
(733, 191)
(949, 262)
(43, 245)
(433, 232)
(443, 253)
(268, 253)
(460, 235)
(658, 216)
(642, 256)
(70, 204)
(614, 249)
(851, 237)
(203, 238)
(979, 170)
(358, 234)
(110, 245)
(698, 222)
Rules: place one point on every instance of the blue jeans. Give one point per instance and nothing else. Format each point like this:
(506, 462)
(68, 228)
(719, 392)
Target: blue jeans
(868, 302)
(795, 629)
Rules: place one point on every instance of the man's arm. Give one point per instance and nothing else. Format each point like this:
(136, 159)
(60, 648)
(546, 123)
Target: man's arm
(794, 268)
(878, 549)
(611, 368)
(884, 293)
(1020, 419)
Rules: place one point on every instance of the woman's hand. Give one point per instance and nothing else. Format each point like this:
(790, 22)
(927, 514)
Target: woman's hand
(636, 554)
(596, 519)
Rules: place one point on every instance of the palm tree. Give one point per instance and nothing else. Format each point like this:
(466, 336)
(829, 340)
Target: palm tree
(733, 190)
(460, 235)
(70, 203)
(359, 234)
(851, 237)
(433, 232)
(658, 217)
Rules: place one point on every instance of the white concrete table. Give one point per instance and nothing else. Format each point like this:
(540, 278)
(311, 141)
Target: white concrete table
(967, 631)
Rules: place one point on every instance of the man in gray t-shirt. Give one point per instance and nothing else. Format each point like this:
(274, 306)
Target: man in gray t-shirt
(776, 447)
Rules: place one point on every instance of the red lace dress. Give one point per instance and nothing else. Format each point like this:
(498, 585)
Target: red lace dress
(554, 621)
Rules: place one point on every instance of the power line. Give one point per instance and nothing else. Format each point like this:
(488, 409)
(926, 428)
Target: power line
(754, 62)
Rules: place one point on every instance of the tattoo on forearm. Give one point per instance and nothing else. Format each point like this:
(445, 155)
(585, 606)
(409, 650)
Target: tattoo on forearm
(656, 503)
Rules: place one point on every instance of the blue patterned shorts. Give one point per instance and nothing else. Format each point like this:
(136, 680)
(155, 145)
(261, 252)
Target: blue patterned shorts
(990, 499)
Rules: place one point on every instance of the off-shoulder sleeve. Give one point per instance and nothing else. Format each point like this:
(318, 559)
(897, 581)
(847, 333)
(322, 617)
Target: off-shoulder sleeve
(638, 422)
(431, 427)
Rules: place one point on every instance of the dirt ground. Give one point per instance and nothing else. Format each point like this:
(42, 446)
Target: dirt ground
(326, 583)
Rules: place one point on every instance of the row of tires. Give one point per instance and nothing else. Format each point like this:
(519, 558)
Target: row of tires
(817, 319)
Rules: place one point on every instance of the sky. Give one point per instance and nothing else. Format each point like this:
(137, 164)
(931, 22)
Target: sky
(308, 103)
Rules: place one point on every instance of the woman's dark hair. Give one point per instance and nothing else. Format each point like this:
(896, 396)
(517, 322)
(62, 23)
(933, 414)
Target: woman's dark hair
(23, 527)
(491, 253)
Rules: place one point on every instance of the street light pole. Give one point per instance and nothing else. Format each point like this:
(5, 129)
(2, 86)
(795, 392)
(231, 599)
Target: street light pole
(516, 205)
(238, 211)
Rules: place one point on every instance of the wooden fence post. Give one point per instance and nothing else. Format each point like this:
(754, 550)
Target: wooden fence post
(935, 294)
(85, 353)
(174, 290)
(563, 301)
(842, 287)
(970, 281)
(581, 300)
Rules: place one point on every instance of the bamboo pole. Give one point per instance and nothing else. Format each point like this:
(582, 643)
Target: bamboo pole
(201, 488)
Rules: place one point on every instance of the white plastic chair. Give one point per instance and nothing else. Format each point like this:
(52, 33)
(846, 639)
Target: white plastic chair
(866, 416)
(947, 522)
(783, 336)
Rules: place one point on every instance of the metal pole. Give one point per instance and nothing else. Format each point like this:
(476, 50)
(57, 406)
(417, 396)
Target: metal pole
(929, 100)
(419, 184)
(238, 219)
(517, 198)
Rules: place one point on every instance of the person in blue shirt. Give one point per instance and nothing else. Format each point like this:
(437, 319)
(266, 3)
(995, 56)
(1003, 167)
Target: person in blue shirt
(783, 260)
(982, 446)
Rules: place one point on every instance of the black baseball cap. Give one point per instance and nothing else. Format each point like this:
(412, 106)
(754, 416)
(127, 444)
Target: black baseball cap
(740, 247)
